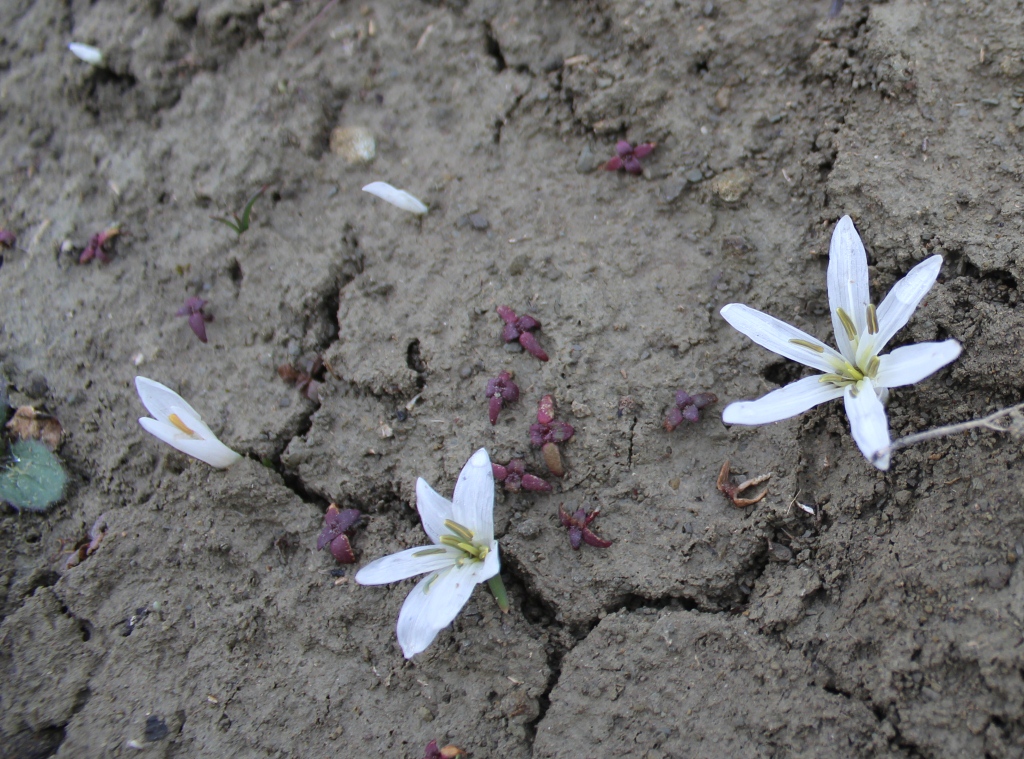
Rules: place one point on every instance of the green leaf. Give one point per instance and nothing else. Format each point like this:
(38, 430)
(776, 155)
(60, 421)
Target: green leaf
(243, 223)
(35, 479)
(236, 228)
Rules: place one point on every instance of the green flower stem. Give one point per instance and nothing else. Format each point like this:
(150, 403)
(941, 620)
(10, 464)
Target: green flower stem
(498, 589)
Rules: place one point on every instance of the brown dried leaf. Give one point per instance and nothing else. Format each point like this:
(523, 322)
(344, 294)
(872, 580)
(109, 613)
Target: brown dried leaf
(29, 424)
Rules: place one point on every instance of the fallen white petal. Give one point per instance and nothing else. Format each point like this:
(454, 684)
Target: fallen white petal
(775, 335)
(904, 297)
(405, 564)
(868, 423)
(431, 606)
(847, 281)
(783, 403)
(912, 363)
(473, 501)
(87, 53)
(434, 509)
(396, 197)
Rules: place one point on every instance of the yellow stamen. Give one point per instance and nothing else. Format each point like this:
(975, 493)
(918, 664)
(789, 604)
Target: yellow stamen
(426, 586)
(459, 530)
(835, 378)
(872, 319)
(854, 391)
(429, 552)
(847, 322)
(807, 344)
(176, 421)
(873, 365)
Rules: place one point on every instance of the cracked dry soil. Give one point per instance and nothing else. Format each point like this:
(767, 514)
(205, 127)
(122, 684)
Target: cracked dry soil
(206, 625)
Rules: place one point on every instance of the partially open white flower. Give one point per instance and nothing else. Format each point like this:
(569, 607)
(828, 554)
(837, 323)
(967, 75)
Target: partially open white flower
(396, 197)
(856, 372)
(464, 554)
(87, 53)
(180, 426)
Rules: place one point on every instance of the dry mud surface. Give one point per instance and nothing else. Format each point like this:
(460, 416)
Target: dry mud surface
(888, 626)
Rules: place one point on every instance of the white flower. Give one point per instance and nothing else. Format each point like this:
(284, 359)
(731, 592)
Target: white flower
(464, 554)
(855, 372)
(87, 53)
(396, 197)
(180, 426)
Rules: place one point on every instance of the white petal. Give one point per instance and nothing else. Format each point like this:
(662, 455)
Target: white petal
(209, 450)
(847, 281)
(161, 401)
(783, 403)
(87, 53)
(434, 509)
(473, 503)
(404, 564)
(430, 607)
(396, 197)
(491, 565)
(904, 297)
(775, 335)
(868, 423)
(912, 363)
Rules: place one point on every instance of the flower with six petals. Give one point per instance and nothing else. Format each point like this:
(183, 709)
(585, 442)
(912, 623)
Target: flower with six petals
(856, 372)
(464, 553)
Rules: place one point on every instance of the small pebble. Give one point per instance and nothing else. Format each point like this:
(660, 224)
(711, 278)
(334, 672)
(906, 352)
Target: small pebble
(355, 144)
(479, 221)
(694, 176)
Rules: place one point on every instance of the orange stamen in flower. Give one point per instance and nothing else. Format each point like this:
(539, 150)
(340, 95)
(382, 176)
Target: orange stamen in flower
(176, 421)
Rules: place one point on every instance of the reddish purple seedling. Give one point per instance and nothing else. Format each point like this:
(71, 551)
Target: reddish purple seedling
(7, 238)
(521, 328)
(306, 380)
(97, 246)
(337, 525)
(197, 318)
(514, 477)
(579, 530)
(627, 157)
(547, 433)
(500, 390)
(687, 408)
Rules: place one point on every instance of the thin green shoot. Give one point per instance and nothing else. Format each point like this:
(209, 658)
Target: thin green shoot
(241, 223)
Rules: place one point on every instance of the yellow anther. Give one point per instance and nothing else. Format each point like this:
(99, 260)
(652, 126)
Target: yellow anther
(807, 344)
(459, 530)
(833, 378)
(429, 552)
(873, 365)
(872, 319)
(176, 421)
(847, 322)
(429, 582)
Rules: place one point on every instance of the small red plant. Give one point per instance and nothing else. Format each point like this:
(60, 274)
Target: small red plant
(514, 477)
(307, 380)
(500, 390)
(548, 432)
(7, 238)
(97, 246)
(687, 408)
(521, 328)
(732, 492)
(197, 318)
(628, 158)
(337, 526)
(579, 531)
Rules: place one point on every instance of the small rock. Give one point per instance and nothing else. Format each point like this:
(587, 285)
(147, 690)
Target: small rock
(735, 245)
(425, 714)
(673, 187)
(732, 185)
(478, 221)
(355, 144)
(722, 98)
(513, 347)
(694, 176)
(588, 161)
(465, 371)
(518, 265)
(156, 728)
(779, 552)
(529, 529)
(36, 386)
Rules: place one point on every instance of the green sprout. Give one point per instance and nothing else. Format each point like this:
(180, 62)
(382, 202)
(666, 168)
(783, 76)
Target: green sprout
(241, 223)
(35, 479)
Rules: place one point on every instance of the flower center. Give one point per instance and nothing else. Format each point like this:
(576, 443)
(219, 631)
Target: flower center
(462, 539)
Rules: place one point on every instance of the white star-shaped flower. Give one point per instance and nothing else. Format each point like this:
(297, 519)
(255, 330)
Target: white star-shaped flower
(856, 372)
(464, 553)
